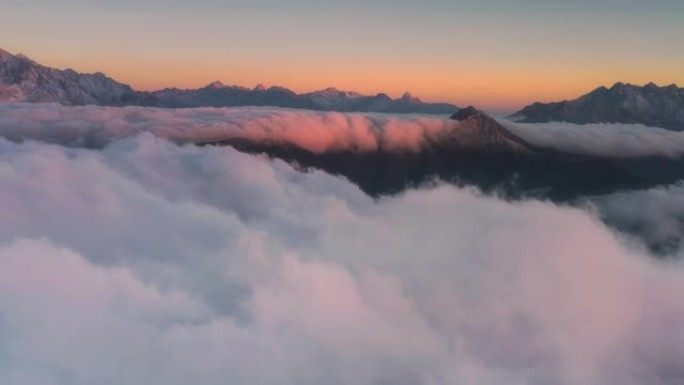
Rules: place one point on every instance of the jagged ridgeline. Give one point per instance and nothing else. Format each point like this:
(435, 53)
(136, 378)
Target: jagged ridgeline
(22, 79)
(622, 103)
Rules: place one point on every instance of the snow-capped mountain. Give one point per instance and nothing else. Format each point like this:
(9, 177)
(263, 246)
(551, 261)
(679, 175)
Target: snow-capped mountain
(650, 105)
(22, 79)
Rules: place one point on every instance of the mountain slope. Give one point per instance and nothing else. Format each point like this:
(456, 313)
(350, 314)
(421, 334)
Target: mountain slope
(478, 130)
(622, 103)
(22, 79)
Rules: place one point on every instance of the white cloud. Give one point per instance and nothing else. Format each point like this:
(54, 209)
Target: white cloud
(151, 263)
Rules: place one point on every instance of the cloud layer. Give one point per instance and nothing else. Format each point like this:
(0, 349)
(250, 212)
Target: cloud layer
(311, 130)
(149, 262)
(315, 131)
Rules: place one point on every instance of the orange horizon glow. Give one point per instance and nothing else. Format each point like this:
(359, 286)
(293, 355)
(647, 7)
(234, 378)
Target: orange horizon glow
(493, 55)
(480, 86)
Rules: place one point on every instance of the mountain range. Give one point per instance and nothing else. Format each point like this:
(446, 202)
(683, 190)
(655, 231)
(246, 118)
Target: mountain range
(649, 105)
(22, 79)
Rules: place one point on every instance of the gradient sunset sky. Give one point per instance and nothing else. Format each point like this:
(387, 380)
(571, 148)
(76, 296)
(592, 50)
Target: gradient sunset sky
(498, 54)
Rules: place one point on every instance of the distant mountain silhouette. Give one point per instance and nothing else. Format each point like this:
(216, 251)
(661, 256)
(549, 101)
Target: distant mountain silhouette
(650, 105)
(22, 79)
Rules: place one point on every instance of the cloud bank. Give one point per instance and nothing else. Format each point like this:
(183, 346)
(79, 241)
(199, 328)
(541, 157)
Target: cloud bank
(656, 215)
(314, 131)
(149, 262)
(604, 139)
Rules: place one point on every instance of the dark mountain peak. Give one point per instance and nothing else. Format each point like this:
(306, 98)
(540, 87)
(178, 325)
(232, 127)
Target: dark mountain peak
(216, 85)
(467, 113)
(409, 98)
(598, 91)
(281, 90)
(624, 88)
(479, 130)
(619, 85)
(259, 87)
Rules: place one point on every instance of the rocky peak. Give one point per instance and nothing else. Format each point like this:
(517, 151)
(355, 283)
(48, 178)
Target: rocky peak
(649, 104)
(216, 85)
(625, 88)
(409, 98)
(468, 113)
(477, 129)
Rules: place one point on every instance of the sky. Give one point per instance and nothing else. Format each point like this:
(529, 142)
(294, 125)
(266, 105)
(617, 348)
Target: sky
(499, 55)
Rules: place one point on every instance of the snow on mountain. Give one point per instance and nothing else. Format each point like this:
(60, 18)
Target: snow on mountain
(22, 79)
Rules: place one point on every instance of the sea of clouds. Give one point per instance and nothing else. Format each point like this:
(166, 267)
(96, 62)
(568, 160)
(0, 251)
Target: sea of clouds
(149, 262)
(94, 126)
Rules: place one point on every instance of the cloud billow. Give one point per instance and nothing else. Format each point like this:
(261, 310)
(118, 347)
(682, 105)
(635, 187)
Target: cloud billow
(150, 262)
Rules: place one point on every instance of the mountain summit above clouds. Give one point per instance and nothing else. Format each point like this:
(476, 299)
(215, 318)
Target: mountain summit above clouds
(479, 130)
(22, 79)
(650, 105)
